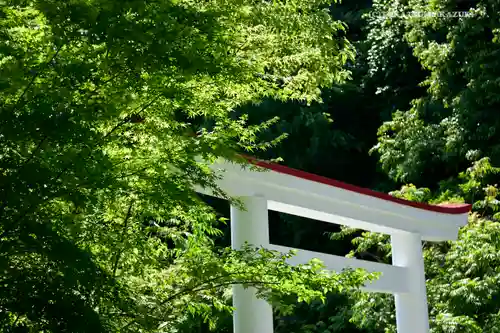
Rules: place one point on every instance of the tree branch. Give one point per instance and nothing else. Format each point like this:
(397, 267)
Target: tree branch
(222, 284)
(36, 75)
(195, 289)
(125, 224)
(34, 152)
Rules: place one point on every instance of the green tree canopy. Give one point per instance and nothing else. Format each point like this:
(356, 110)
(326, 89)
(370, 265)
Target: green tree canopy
(101, 105)
(453, 123)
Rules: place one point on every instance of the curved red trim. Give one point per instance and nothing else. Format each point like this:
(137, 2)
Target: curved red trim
(446, 209)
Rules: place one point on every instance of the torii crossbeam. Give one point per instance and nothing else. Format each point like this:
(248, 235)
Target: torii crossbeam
(303, 194)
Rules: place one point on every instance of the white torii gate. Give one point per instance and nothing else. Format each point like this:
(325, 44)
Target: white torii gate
(295, 192)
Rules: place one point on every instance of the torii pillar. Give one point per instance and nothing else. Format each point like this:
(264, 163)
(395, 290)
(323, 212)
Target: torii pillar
(251, 315)
(411, 307)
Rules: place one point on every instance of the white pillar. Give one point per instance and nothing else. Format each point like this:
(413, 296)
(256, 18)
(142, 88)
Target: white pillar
(411, 308)
(252, 315)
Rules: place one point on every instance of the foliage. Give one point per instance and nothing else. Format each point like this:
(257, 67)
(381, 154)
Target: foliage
(393, 72)
(197, 284)
(101, 228)
(453, 123)
(319, 317)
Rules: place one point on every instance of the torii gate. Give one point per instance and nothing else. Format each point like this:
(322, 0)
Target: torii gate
(299, 193)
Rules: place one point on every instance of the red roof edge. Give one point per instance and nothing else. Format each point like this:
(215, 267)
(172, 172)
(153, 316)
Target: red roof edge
(455, 208)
